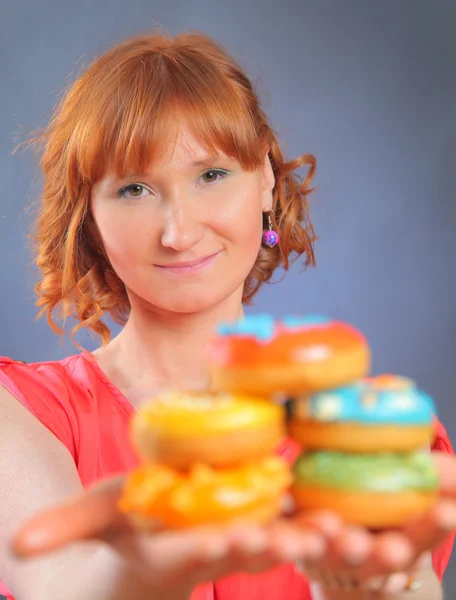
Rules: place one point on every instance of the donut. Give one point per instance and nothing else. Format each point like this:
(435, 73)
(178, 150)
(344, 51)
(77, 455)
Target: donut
(260, 355)
(180, 429)
(207, 459)
(380, 414)
(371, 490)
(156, 497)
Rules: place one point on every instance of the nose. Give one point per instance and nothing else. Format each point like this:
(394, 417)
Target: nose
(182, 229)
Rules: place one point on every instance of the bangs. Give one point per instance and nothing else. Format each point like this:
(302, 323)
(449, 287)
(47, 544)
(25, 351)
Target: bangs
(132, 116)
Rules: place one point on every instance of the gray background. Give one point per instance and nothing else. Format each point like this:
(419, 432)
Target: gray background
(369, 87)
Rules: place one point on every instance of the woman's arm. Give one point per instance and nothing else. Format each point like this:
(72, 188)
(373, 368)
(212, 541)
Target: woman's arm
(37, 471)
(99, 574)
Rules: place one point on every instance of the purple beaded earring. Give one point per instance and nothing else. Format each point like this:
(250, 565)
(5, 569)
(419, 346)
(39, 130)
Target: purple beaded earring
(270, 237)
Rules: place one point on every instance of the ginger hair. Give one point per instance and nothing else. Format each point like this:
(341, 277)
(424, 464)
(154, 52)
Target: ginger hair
(122, 112)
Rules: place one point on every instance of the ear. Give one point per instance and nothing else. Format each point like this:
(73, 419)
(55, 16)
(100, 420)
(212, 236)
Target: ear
(268, 183)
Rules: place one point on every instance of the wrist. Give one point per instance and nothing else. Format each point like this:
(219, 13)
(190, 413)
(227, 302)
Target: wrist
(397, 586)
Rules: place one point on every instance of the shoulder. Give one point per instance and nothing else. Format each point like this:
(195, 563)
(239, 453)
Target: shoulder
(26, 380)
(46, 373)
(65, 363)
(47, 390)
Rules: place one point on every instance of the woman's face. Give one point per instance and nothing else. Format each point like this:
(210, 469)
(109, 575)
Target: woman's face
(183, 236)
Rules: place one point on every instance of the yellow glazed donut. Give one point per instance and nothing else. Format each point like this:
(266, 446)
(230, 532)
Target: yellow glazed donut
(179, 429)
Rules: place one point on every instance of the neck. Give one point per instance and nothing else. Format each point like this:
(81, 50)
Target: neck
(159, 350)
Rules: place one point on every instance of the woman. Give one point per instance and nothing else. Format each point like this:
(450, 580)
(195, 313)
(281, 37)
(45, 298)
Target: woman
(160, 173)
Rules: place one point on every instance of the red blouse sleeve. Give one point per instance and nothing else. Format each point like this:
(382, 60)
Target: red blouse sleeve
(441, 556)
(42, 390)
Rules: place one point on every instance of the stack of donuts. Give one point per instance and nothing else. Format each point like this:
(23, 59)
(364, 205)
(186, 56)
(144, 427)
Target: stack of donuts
(206, 458)
(211, 458)
(365, 441)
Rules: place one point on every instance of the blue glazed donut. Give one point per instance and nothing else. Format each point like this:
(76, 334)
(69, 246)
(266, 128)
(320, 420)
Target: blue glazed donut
(384, 413)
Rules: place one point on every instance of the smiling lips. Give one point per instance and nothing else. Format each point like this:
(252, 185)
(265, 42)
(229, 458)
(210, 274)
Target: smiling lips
(189, 267)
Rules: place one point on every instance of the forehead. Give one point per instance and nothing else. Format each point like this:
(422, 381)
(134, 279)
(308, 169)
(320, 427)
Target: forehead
(186, 147)
(184, 151)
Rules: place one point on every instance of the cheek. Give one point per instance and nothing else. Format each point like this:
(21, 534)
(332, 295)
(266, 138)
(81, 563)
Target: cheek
(243, 221)
(122, 235)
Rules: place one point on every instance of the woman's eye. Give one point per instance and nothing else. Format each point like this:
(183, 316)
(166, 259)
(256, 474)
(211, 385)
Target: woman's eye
(133, 190)
(213, 175)
(137, 190)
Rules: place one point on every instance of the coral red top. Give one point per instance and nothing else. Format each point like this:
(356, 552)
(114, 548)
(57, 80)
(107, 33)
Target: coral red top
(75, 400)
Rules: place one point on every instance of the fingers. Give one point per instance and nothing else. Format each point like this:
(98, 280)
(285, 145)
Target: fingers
(245, 541)
(254, 549)
(169, 556)
(198, 553)
(429, 531)
(358, 553)
(257, 549)
(359, 559)
(368, 555)
(351, 548)
(92, 514)
(328, 523)
(289, 544)
(347, 546)
(250, 548)
(392, 552)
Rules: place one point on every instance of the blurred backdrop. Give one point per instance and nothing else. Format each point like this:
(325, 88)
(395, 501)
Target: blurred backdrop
(368, 87)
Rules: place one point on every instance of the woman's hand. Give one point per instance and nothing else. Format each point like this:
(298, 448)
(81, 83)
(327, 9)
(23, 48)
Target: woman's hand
(173, 560)
(329, 551)
(360, 558)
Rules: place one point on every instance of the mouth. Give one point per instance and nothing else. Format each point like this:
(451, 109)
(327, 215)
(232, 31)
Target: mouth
(189, 267)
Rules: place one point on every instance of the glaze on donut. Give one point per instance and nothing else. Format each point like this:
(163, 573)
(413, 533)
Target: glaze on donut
(180, 429)
(381, 414)
(372, 490)
(295, 355)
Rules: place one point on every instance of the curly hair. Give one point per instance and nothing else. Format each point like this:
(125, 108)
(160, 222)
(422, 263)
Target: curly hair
(121, 113)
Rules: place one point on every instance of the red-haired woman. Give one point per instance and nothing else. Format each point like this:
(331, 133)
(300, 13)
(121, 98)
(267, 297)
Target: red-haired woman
(161, 172)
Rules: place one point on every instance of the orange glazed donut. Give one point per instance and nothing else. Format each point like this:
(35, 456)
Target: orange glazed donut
(296, 355)
(179, 429)
(156, 497)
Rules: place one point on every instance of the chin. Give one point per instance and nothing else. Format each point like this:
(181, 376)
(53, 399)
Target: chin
(183, 302)
(188, 305)
(187, 299)
(197, 301)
